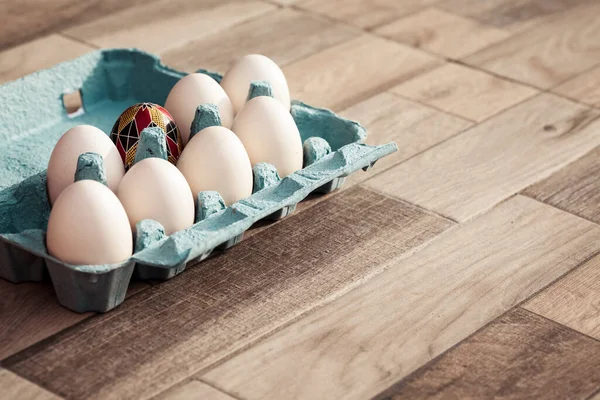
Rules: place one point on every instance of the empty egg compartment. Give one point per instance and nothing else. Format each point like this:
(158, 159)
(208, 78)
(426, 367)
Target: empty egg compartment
(35, 115)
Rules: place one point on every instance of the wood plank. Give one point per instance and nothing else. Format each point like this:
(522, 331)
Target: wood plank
(442, 33)
(470, 173)
(193, 390)
(515, 15)
(15, 387)
(466, 92)
(573, 300)
(173, 330)
(413, 126)
(518, 356)
(30, 312)
(25, 20)
(38, 54)
(354, 70)
(298, 35)
(548, 54)
(364, 14)
(584, 88)
(366, 340)
(167, 24)
(574, 188)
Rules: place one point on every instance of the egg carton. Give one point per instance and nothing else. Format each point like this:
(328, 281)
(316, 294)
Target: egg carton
(34, 115)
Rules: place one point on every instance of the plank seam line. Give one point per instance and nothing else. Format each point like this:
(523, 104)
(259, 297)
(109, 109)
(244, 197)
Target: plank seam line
(325, 18)
(406, 202)
(217, 387)
(275, 3)
(574, 331)
(449, 349)
(593, 395)
(497, 75)
(36, 385)
(431, 106)
(523, 193)
(245, 20)
(73, 38)
(410, 14)
(475, 124)
(585, 71)
(436, 6)
(384, 86)
(438, 357)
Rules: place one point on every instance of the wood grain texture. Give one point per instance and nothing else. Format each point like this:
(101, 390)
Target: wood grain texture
(30, 312)
(25, 20)
(167, 24)
(284, 36)
(575, 188)
(548, 54)
(573, 301)
(466, 92)
(364, 13)
(15, 387)
(518, 356)
(173, 330)
(515, 15)
(584, 88)
(354, 70)
(38, 54)
(193, 390)
(413, 126)
(443, 33)
(363, 342)
(470, 173)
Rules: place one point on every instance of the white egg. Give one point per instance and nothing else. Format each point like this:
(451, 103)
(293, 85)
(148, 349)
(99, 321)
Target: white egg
(215, 159)
(269, 134)
(73, 143)
(254, 67)
(155, 189)
(191, 91)
(88, 226)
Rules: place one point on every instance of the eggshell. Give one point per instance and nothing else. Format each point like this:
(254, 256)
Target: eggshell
(254, 67)
(73, 143)
(191, 91)
(269, 134)
(88, 226)
(215, 159)
(155, 189)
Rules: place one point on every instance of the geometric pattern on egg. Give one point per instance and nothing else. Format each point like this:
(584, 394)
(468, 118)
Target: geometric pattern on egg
(127, 130)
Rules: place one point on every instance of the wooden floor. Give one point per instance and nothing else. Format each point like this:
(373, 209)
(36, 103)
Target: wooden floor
(466, 265)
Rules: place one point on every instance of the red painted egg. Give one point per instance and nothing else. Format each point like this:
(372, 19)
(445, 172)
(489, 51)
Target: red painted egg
(126, 132)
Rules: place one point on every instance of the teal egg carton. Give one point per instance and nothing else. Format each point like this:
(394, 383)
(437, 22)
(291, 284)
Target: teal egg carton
(34, 116)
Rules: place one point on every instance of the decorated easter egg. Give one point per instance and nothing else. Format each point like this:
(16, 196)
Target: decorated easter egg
(127, 131)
